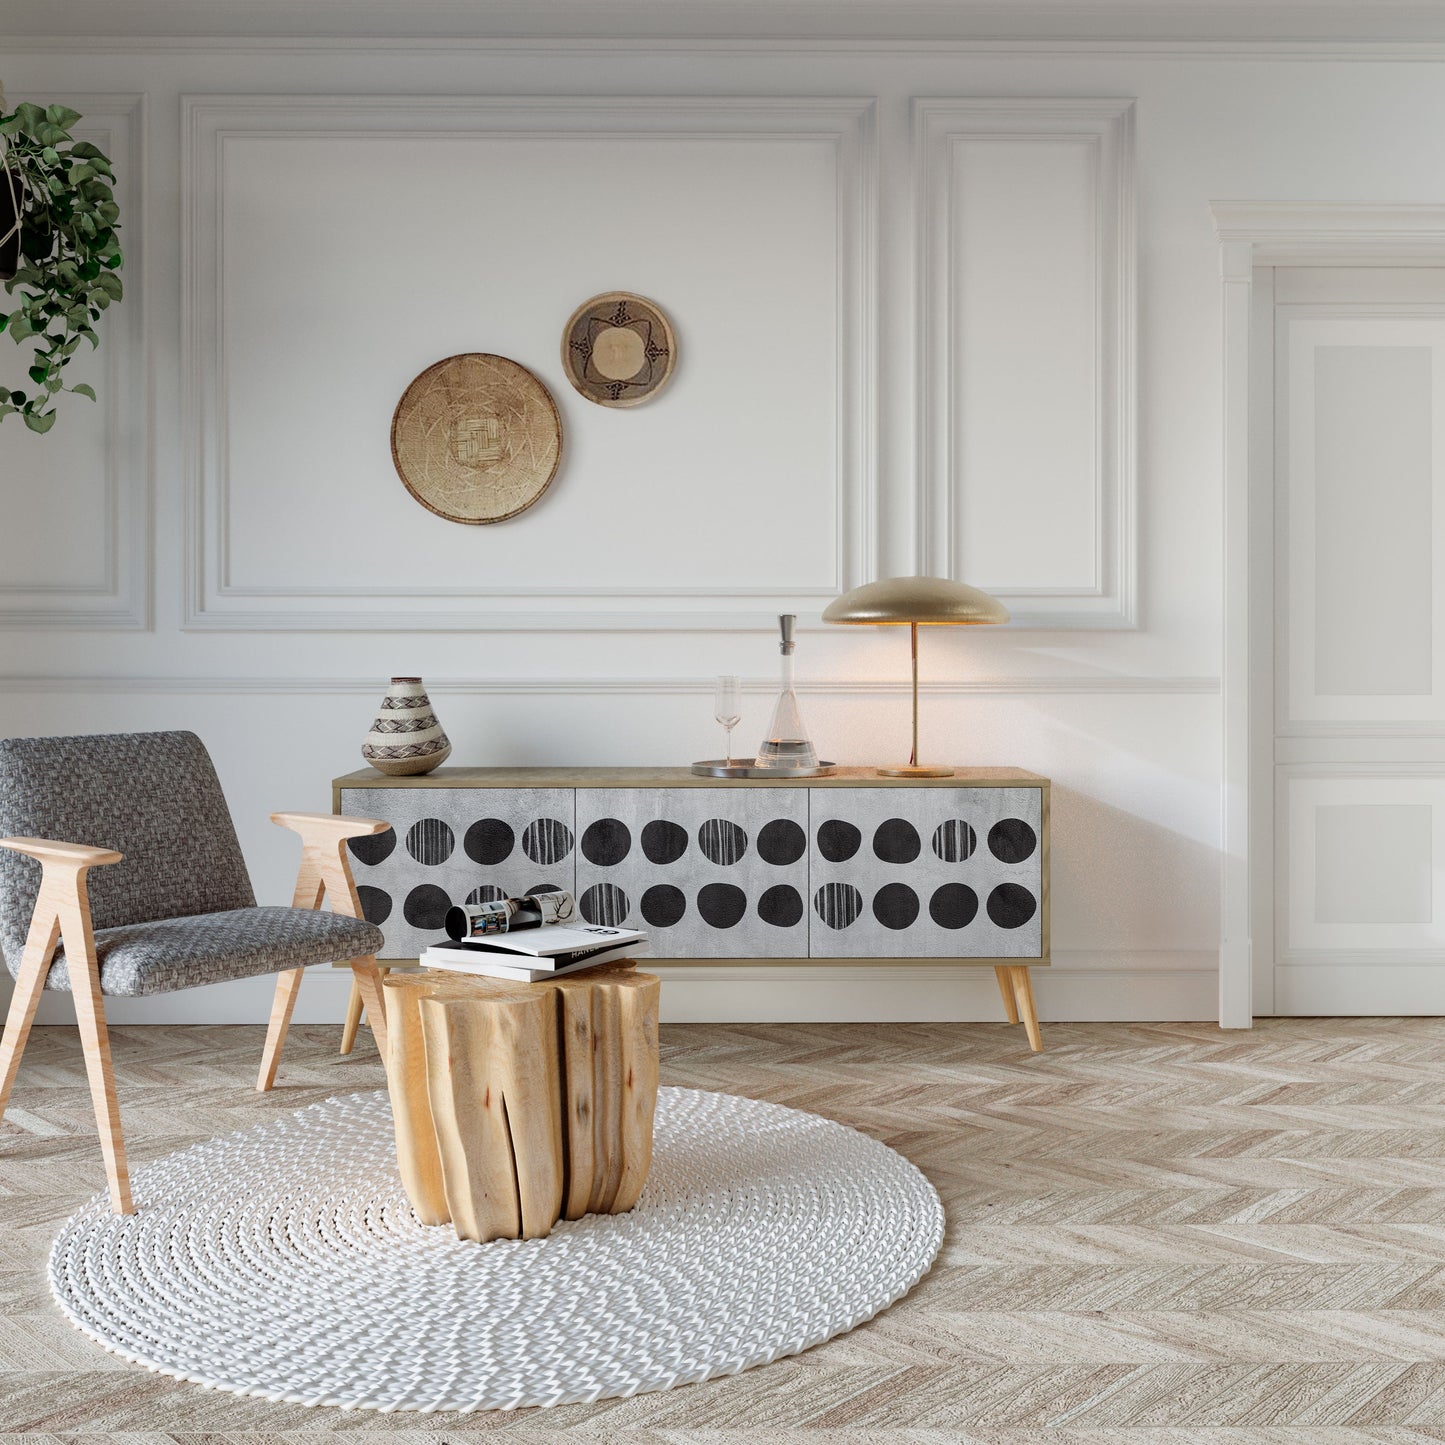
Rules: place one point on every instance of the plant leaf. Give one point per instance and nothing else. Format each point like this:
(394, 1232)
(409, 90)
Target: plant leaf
(61, 115)
(84, 389)
(36, 422)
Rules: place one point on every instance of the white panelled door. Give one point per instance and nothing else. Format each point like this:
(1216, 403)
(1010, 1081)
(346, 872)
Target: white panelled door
(1359, 627)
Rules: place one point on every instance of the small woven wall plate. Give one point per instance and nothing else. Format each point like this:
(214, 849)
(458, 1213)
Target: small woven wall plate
(619, 349)
(476, 438)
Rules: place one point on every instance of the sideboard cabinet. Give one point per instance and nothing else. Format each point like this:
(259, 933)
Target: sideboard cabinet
(848, 867)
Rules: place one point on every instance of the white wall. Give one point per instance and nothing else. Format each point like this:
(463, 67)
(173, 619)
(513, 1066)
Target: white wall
(226, 547)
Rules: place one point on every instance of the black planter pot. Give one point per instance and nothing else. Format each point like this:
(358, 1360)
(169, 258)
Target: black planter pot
(9, 249)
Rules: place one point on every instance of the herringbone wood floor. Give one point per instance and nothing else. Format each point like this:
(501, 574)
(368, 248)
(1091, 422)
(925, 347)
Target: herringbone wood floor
(1156, 1232)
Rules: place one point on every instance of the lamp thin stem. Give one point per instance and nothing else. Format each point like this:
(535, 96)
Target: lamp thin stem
(913, 640)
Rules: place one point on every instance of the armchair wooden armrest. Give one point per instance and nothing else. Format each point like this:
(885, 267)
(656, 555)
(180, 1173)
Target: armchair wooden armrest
(326, 826)
(67, 855)
(325, 872)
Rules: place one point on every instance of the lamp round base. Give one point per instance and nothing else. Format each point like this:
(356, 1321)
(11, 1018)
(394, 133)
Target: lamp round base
(914, 772)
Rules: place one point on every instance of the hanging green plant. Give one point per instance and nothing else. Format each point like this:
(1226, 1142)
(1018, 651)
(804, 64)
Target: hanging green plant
(69, 253)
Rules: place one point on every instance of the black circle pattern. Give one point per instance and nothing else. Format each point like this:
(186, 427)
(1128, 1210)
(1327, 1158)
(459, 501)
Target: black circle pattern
(663, 906)
(781, 905)
(722, 842)
(375, 902)
(954, 841)
(426, 907)
(722, 904)
(838, 841)
(1011, 905)
(543, 888)
(663, 842)
(895, 905)
(376, 848)
(1011, 840)
(605, 905)
(430, 842)
(546, 841)
(838, 904)
(606, 842)
(489, 841)
(781, 842)
(896, 841)
(954, 905)
(485, 893)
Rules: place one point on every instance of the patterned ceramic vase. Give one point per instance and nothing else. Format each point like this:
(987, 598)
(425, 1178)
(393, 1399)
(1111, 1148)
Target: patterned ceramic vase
(406, 737)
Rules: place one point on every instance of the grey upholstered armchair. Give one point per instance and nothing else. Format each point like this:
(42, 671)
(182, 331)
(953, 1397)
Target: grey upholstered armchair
(170, 906)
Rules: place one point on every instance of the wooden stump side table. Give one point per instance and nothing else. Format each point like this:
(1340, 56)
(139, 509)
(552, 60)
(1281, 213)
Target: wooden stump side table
(516, 1105)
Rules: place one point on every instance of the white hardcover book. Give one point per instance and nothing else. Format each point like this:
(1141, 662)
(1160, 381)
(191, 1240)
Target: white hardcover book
(548, 942)
(451, 959)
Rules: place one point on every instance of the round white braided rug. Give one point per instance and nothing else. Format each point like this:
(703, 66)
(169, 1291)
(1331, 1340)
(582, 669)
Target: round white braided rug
(285, 1262)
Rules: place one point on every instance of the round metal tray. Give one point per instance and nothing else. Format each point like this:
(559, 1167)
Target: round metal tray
(746, 768)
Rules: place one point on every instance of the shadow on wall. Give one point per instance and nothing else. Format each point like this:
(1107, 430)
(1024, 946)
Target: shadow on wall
(1122, 882)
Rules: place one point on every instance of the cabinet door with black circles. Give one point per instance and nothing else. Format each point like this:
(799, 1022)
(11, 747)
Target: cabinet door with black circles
(456, 845)
(705, 872)
(932, 872)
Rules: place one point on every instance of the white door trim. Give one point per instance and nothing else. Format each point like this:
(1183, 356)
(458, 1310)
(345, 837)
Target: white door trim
(1254, 234)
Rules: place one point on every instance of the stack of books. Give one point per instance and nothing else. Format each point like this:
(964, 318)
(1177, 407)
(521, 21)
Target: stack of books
(528, 939)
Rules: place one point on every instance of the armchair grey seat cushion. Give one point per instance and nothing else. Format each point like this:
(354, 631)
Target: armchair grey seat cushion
(142, 958)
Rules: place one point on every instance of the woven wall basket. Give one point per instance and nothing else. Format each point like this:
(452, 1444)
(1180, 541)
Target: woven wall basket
(476, 438)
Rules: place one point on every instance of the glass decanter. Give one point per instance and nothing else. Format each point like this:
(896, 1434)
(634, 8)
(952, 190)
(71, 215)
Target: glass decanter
(787, 745)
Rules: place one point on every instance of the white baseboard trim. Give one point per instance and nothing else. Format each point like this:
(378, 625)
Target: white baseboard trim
(1125, 988)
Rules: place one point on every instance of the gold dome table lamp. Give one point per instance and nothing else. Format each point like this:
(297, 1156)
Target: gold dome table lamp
(918, 602)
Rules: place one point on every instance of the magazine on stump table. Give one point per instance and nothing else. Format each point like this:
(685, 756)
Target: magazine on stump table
(528, 939)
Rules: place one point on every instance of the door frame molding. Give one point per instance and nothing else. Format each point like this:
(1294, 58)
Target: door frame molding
(1254, 234)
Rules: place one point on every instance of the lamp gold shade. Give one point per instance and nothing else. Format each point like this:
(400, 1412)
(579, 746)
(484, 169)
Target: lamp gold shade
(915, 602)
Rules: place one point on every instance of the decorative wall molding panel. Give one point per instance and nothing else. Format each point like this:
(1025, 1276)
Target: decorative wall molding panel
(1366, 389)
(90, 476)
(1360, 878)
(622, 686)
(1026, 293)
(805, 151)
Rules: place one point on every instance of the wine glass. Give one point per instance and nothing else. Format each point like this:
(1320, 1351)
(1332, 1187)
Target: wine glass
(728, 708)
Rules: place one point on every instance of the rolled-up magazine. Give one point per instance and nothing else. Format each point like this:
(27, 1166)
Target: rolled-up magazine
(509, 915)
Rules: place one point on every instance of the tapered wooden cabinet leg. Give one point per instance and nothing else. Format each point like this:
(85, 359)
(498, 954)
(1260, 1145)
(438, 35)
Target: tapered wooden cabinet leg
(34, 965)
(406, 1077)
(1006, 988)
(353, 1019)
(1024, 993)
(283, 1002)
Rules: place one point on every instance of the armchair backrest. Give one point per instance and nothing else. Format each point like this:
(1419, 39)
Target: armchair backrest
(154, 797)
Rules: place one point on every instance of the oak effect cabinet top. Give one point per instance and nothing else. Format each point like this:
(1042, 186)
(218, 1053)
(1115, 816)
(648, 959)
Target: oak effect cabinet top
(445, 777)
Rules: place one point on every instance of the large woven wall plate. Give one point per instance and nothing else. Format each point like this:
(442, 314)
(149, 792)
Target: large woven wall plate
(619, 349)
(476, 438)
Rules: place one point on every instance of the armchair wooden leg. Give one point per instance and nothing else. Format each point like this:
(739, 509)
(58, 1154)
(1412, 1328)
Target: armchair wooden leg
(367, 977)
(1006, 988)
(34, 965)
(353, 1018)
(95, 1041)
(354, 1009)
(288, 985)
